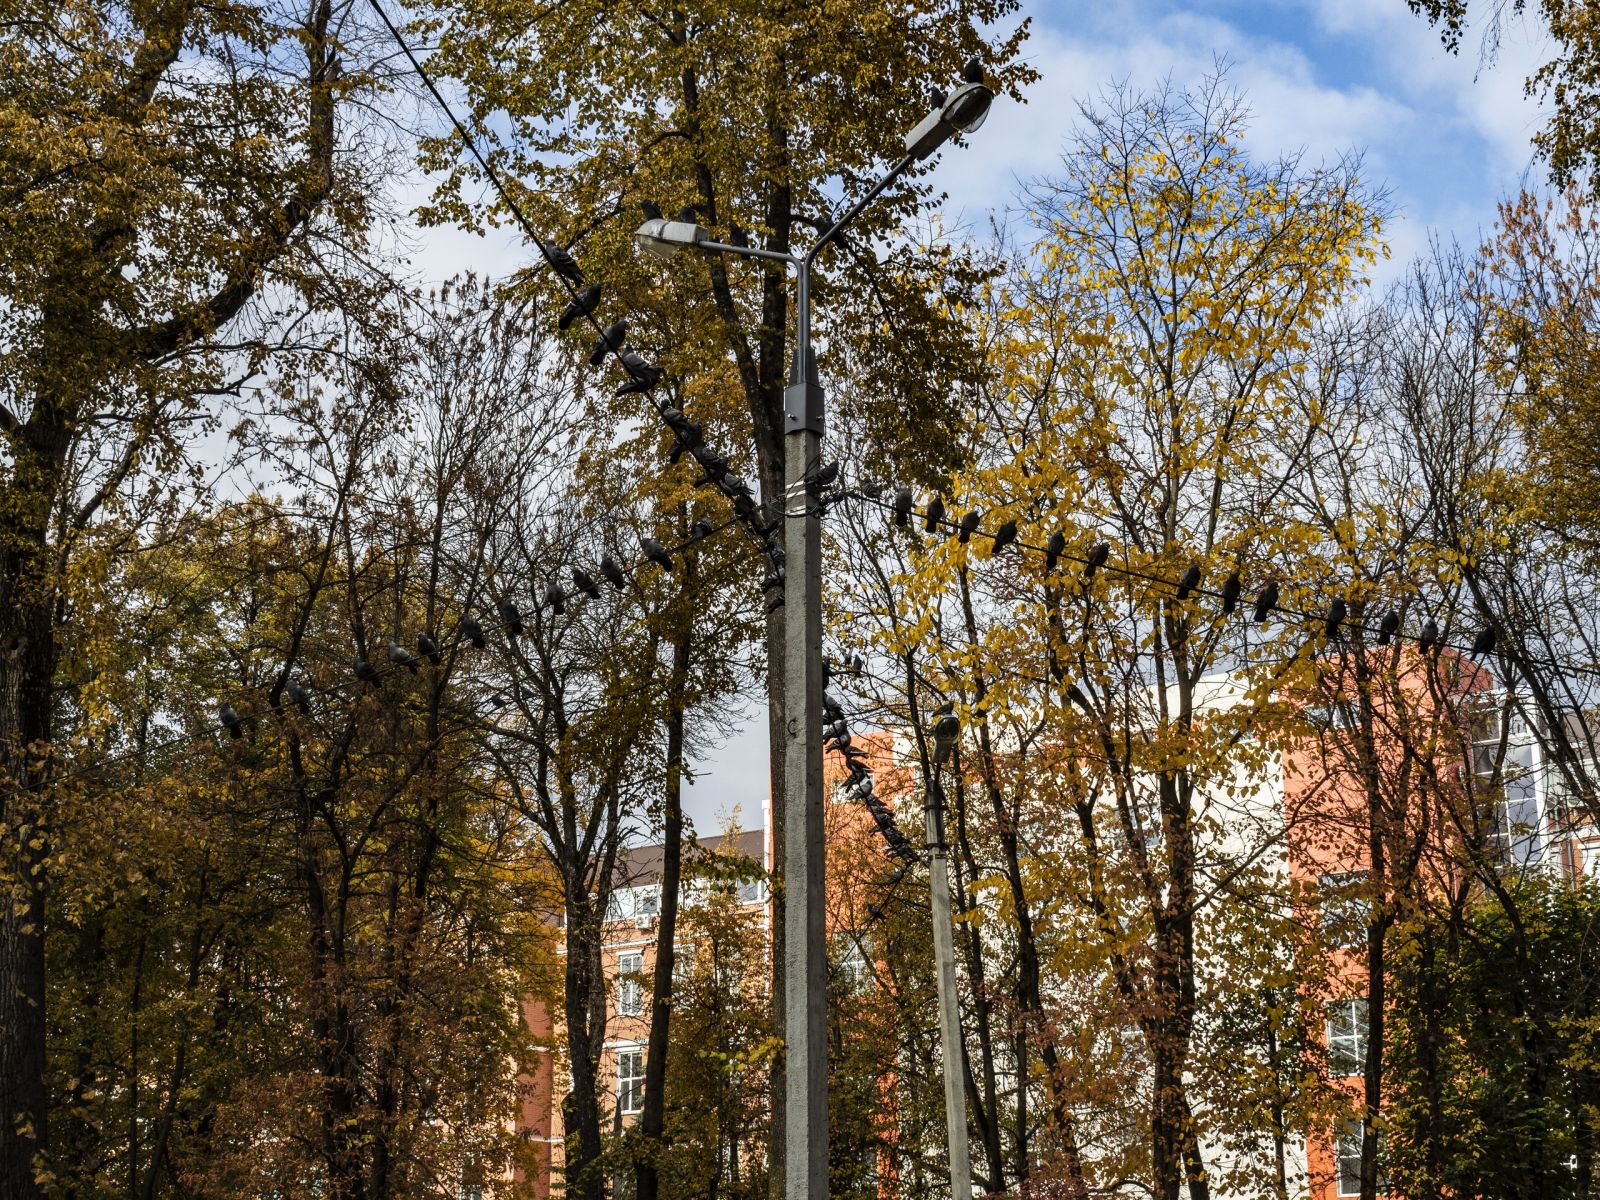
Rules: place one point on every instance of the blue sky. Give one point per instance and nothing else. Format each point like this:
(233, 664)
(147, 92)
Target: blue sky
(1444, 136)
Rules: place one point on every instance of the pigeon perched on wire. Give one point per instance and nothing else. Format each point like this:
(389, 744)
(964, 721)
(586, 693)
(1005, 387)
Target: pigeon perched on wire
(560, 261)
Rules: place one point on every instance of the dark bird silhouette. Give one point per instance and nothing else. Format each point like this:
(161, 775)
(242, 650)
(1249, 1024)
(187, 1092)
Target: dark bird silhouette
(563, 263)
(1096, 559)
(428, 648)
(656, 553)
(555, 599)
(1053, 550)
(612, 337)
(1190, 581)
(1231, 587)
(1336, 615)
(511, 618)
(1266, 602)
(473, 632)
(582, 306)
(1388, 628)
(934, 515)
(230, 718)
(612, 572)
(401, 657)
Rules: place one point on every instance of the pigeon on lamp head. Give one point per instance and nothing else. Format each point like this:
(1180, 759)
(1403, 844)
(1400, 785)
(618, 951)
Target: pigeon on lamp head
(1337, 611)
(1266, 602)
(581, 306)
(1004, 536)
(428, 648)
(231, 720)
(1483, 644)
(934, 515)
(972, 72)
(652, 210)
(612, 572)
(1098, 553)
(1231, 587)
(298, 696)
(688, 215)
(969, 526)
(366, 673)
(1428, 639)
(555, 599)
(584, 582)
(656, 553)
(902, 507)
(562, 262)
(401, 657)
(510, 618)
(1389, 627)
(612, 337)
(939, 97)
(1053, 550)
(1190, 581)
(473, 632)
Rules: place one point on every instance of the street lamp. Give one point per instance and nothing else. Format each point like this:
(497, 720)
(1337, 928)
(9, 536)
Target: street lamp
(803, 970)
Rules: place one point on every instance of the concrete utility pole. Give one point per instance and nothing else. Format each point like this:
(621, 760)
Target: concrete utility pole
(805, 964)
(804, 967)
(951, 1049)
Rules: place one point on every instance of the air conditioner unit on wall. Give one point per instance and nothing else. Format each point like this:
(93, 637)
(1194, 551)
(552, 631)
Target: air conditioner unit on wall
(645, 922)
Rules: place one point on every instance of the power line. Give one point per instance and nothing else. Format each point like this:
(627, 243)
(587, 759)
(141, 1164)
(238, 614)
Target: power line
(933, 516)
(305, 695)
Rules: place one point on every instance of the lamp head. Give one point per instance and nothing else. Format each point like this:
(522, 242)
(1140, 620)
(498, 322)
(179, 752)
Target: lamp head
(663, 239)
(962, 111)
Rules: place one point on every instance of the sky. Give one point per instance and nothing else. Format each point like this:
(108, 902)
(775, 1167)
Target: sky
(1444, 136)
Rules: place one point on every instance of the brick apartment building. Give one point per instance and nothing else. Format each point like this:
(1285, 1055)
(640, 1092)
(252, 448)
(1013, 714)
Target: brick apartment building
(1532, 829)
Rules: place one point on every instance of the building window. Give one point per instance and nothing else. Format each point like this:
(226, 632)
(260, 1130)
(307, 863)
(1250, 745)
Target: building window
(852, 960)
(1347, 1159)
(630, 1081)
(630, 988)
(1344, 907)
(752, 891)
(1347, 1036)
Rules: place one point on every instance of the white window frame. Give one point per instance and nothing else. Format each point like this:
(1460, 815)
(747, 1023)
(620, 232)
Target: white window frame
(630, 1080)
(1346, 1148)
(630, 988)
(1348, 1044)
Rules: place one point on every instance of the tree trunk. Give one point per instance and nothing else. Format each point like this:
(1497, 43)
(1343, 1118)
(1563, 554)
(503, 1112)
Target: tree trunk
(27, 668)
(652, 1120)
(586, 1033)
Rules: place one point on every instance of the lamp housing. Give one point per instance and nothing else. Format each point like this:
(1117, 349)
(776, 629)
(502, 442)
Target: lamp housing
(662, 239)
(963, 111)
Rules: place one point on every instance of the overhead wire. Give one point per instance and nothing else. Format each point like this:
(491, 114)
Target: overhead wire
(934, 515)
(307, 694)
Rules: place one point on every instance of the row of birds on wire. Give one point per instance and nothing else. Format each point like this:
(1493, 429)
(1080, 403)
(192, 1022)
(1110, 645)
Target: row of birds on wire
(1335, 620)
